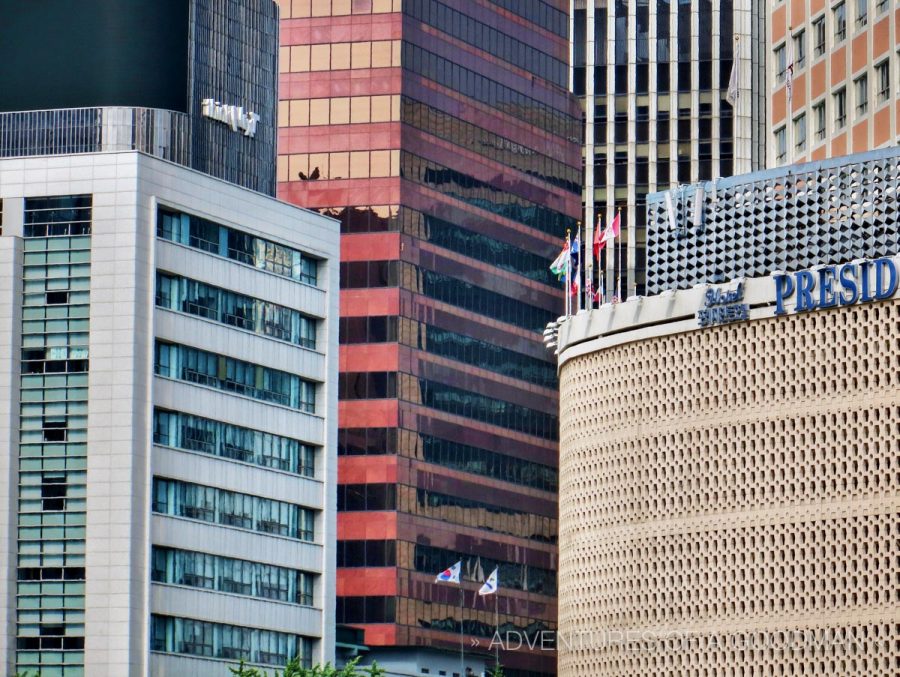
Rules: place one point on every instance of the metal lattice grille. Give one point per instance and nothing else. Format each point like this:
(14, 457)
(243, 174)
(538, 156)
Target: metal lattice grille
(791, 218)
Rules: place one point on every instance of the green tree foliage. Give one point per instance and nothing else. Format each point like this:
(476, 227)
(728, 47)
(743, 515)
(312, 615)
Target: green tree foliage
(293, 668)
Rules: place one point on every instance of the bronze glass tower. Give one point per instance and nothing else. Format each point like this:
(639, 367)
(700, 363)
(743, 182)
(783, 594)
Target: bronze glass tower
(443, 137)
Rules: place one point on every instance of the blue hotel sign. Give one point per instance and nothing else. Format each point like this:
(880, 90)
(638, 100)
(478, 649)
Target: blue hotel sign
(722, 306)
(833, 286)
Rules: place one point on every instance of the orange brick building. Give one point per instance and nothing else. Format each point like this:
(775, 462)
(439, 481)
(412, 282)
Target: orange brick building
(846, 78)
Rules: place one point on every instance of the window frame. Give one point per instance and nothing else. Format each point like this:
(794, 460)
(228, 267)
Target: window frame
(779, 60)
(862, 14)
(799, 49)
(861, 95)
(801, 141)
(781, 149)
(840, 109)
(883, 78)
(818, 26)
(821, 120)
(839, 26)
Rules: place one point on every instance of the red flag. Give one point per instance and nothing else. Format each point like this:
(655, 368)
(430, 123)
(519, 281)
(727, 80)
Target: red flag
(611, 232)
(597, 245)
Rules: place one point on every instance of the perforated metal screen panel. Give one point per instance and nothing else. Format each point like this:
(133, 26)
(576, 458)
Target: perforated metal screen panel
(791, 218)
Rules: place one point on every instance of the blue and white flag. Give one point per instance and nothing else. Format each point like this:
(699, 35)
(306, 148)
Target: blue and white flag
(450, 575)
(490, 585)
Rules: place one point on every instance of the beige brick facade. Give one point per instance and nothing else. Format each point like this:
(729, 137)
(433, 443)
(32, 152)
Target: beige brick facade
(729, 496)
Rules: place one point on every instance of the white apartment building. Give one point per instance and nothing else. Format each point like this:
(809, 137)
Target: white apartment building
(168, 401)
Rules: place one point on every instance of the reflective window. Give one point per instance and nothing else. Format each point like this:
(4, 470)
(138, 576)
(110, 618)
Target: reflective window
(229, 243)
(363, 274)
(458, 456)
(53, 216)
(482, 301)
(542, 13)
(840, 108)
(236, 376)
(365, 219)
(800, 132)
(342, 110)
(366, 553)
(780, 145)
(488, 410)
(53, 429)
(448, 454)
(367, 441)
(883, 80)
(340, 165)
(819, 118)
(819, 35)
(800, 49)
(224, 574)
(489, 514)
(861, 87)
(215, 640)
(302, 9)
(213, 303)
(366, 609)
(476, 245)
(229, 508)
(368, 329)
(354, 497)
(489, 39)
(663, 34)
(490, 145)
(482, 194)
(511, 575)
(367, 385)
(343, 56)
(839, 14)
(472, 84)
(194, 433)
(487, 355)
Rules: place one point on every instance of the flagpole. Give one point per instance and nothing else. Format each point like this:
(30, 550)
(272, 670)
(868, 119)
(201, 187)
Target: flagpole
(577, 273)
(580, 268)
(569, 272)
(789, 97)
(497, 623)
(462, 642)
(594, 255)
(615, 254)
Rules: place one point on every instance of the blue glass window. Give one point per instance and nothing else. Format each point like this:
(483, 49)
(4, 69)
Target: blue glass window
(216, 640)
(194, 433)
(229, 243)
(268, 319)
(225, 574)
(229, 508)
(233, 375)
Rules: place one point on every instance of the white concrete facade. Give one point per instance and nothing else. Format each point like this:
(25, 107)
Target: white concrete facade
(119, 598)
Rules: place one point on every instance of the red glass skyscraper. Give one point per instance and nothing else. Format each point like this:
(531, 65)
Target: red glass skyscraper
(442, 135)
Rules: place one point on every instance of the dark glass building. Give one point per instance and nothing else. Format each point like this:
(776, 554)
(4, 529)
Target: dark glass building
(114, 75)
(443, 136)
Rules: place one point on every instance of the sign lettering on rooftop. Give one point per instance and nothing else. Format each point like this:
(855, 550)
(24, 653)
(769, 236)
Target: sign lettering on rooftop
(833, 286)
(233, 116)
